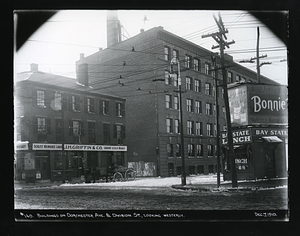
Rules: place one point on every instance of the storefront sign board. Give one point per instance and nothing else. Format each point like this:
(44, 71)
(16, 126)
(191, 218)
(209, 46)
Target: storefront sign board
(240, 136)
(77, 147)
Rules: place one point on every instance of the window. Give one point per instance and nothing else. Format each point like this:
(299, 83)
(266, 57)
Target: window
(170, 150)
(74, 103)
(199, 150)
(41, 125)
(189, 105)
(207, 68)
(188, 61)
(119, 133)
(224, 111)
(199, 128)
(237, 78)
(175, 54)
(76, 129)
(191, 150)
(89, 105)
(91, 132)
(178, 150)
(214, 90)
(209, 129)
(198, 107)
(176, 126)
(120, 110)
(168, 101)
(200, 169)
(175, 79)
(40, 99)
(192, 170)
(229, 77)
(210, 151)
(57, 101)
(58, 130)
(224, 128)
(211, 169)
(188, 83)
(196, 64)
(168, 79)
(197, 86)
(215, 130)
(176, 103)
(169, 124)
(167, 53)
(208, 109)
(207, 88)
(104, 107)
(190, 127)
(106, 133)
(222, 93)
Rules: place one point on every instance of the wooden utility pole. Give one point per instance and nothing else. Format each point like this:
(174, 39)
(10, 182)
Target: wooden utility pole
(258, 65)
(220, 38)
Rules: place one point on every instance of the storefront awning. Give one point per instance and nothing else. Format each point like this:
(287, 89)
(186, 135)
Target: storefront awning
(272, 139)
(234, 146)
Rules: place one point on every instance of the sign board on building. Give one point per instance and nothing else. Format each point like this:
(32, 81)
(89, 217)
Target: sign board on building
(258, 104)
(21, 146)
(259, 132)
(78, 147)
(240, 136)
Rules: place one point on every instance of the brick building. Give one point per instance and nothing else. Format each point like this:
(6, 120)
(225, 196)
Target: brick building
(52, 110)
(137, 69)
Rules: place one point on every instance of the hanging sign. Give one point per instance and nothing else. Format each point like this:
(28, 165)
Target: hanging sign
(82, 147)
(240, 136)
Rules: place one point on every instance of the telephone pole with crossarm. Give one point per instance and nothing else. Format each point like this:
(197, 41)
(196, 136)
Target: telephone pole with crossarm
(221, 38)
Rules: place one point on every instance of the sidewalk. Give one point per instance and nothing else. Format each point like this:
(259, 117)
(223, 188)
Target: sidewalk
(242, 185)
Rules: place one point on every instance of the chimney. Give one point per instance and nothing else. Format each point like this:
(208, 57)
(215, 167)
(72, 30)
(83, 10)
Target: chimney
(113, 28)
(142, 30)
(82, 74)
(81, 56)
(34, 67)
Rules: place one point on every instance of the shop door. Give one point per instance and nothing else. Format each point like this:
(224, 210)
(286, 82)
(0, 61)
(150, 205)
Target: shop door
(42, 167)
(269, 163)
(171, 169)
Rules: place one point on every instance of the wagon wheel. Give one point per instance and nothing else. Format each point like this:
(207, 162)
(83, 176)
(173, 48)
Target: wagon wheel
(130, 175)
(118, 177)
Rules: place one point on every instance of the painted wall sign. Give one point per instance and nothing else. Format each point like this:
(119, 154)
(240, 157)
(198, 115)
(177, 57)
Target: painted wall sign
(46, 146)
(82, 147)
(21, 146)
(238, 137)
(77, 147)
(259, 132)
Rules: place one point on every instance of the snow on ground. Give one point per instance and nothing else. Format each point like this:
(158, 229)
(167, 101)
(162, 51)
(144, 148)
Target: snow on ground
(153, 181)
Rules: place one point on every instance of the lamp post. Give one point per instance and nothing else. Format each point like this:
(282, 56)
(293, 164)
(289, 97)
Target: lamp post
(183, 173)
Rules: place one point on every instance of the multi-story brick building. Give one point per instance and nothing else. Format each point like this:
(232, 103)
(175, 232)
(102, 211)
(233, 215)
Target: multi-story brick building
(52, 110)
(138, 70)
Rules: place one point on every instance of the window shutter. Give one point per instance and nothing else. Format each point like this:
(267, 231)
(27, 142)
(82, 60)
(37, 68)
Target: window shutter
(82, 128)
(92, 105)
(123, 131)
(85, 105)
(70, 102)
(77, 103)
(70, 127)
(123, 109)
(115, 131)
(48, 126)
(34, 96)
(107, 107)
(100, 106)
(34, 125)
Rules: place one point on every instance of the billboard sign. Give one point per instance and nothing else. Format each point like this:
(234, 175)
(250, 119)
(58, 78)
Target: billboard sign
(258, 104)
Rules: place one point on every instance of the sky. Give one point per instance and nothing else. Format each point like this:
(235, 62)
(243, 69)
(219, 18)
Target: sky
(57, 44)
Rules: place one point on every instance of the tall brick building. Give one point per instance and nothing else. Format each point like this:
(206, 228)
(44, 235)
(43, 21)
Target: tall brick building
(52, 110)
(137, 69)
